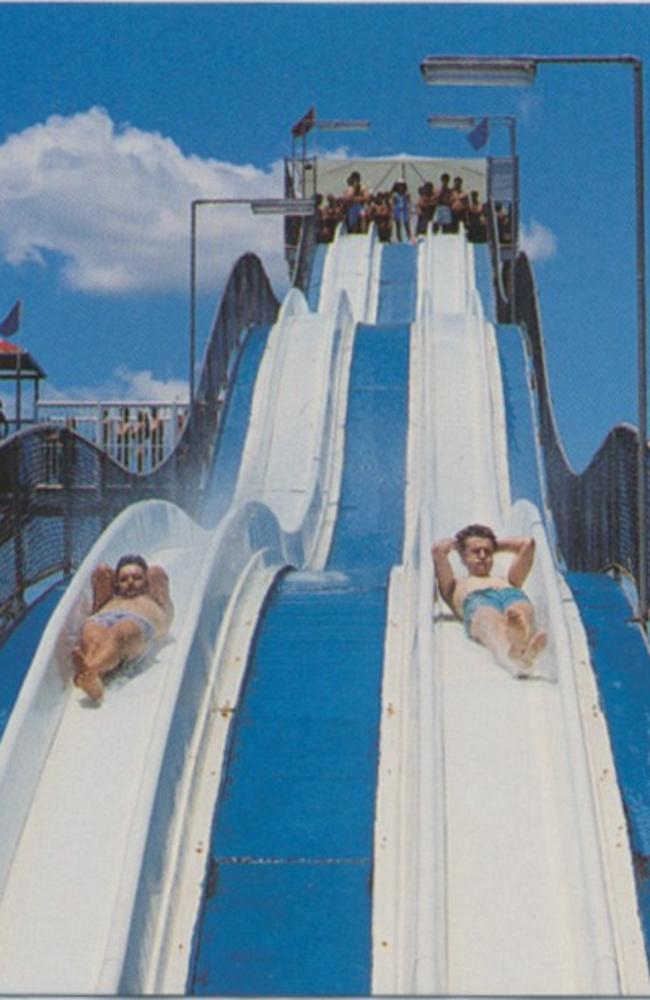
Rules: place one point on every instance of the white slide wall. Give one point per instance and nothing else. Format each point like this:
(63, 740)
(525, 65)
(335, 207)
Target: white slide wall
(106, 811)
(502, 863)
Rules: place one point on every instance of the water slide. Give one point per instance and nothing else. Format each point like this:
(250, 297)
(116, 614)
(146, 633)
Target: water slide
(502, 864)
(500, 860)
(98, 803)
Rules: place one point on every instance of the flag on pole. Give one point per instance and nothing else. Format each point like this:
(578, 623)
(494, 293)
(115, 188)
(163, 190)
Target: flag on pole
(479, 135)
(11, 322)
(304, 124)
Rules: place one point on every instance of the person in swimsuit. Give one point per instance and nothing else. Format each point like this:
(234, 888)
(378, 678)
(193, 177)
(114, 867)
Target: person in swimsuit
(401, 201)
(496, 611)
(131, 611)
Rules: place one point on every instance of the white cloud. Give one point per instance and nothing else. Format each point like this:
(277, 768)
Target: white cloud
(528, 106)
(539, 242)
(114, 203)
(124, 384)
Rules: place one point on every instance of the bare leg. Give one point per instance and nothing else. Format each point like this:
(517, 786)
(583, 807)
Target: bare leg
(527, 641)
(101, 649)
(520, 625)
(490, 628)
(85, 679)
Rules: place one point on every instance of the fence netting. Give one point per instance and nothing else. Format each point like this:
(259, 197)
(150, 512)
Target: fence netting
(595, 512)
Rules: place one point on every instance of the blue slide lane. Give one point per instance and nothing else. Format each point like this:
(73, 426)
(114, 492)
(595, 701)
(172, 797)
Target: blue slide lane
(234, 426)
(287, 905)
(619, 653)
(620, 657)
(17, 651)
(398, 284)
(316, 276)
(525, 472)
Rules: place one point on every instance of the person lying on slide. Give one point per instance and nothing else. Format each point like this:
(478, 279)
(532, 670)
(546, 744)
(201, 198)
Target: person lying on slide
(131, 610)
(496, 611)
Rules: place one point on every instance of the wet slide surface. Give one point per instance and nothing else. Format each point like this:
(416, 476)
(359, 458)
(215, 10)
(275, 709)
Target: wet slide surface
(398, 284)
(234, 426)
(287, 906)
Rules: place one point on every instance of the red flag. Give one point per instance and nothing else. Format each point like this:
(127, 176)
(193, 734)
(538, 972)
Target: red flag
(304, 124)
(11, 322)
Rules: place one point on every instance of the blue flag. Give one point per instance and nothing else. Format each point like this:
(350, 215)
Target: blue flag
(11, 322)
(479, 135)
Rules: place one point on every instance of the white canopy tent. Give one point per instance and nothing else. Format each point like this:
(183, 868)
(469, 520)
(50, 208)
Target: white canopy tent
(379, 174)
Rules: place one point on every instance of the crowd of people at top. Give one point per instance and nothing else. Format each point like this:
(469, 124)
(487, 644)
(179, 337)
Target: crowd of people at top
(395, 215)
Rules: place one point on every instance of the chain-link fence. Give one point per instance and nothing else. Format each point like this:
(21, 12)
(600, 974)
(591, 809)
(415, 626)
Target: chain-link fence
(58, 490)
(595, 512)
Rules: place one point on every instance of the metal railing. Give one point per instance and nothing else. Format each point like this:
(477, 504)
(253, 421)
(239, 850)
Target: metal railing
(58, 490)
(596, 511)
(138, 435)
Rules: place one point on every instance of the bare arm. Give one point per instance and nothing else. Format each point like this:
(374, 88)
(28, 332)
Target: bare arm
(158, 586)
(444, 571)
(103, 581)
(524, 553)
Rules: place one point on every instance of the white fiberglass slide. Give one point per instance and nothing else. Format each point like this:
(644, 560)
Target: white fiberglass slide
(106, 810)
(501, 858)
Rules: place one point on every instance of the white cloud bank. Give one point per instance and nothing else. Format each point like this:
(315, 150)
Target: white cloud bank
(114, 203)
(539, 242)
(124, 384)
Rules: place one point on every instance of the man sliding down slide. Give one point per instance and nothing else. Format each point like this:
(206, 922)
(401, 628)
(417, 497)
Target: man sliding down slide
(131, 610)
(496, 612)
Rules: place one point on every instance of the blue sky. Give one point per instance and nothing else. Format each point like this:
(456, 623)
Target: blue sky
(117, 115)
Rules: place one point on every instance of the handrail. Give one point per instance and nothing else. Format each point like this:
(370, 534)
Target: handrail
(501, 295)
(58, 490)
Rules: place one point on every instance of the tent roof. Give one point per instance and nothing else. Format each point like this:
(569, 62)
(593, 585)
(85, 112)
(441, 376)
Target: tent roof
(9, 357)
(380, 173)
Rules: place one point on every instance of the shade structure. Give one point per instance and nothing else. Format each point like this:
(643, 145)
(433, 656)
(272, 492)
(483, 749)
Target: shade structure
(15, 361)
(379, 174)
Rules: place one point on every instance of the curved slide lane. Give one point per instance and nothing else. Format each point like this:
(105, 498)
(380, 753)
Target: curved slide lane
(126, 782)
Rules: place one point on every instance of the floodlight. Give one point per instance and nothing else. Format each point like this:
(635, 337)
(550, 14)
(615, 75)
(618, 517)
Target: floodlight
(478, 71)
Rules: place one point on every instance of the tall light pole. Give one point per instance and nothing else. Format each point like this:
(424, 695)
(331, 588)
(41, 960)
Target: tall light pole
(520, 71)
(259, 206)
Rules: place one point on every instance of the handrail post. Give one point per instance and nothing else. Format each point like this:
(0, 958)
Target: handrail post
(641, 342)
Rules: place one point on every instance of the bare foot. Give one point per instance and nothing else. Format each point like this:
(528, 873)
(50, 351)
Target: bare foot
(534, 648)
(90, 684)
(86, 679)
(518, 632)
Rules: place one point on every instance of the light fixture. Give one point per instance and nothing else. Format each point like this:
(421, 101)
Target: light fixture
(283, 206)
(478, 71)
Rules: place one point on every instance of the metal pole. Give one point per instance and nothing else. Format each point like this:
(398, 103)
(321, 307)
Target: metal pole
(510, 121)
(195, 205)
(641, 339)
(18, 390)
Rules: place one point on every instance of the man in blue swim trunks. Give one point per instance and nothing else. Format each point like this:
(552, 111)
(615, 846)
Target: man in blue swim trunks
(131, 611)
(496, 611)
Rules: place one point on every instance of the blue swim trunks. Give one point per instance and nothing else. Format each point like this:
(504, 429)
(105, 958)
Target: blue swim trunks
(491, 597)
(112, 617)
